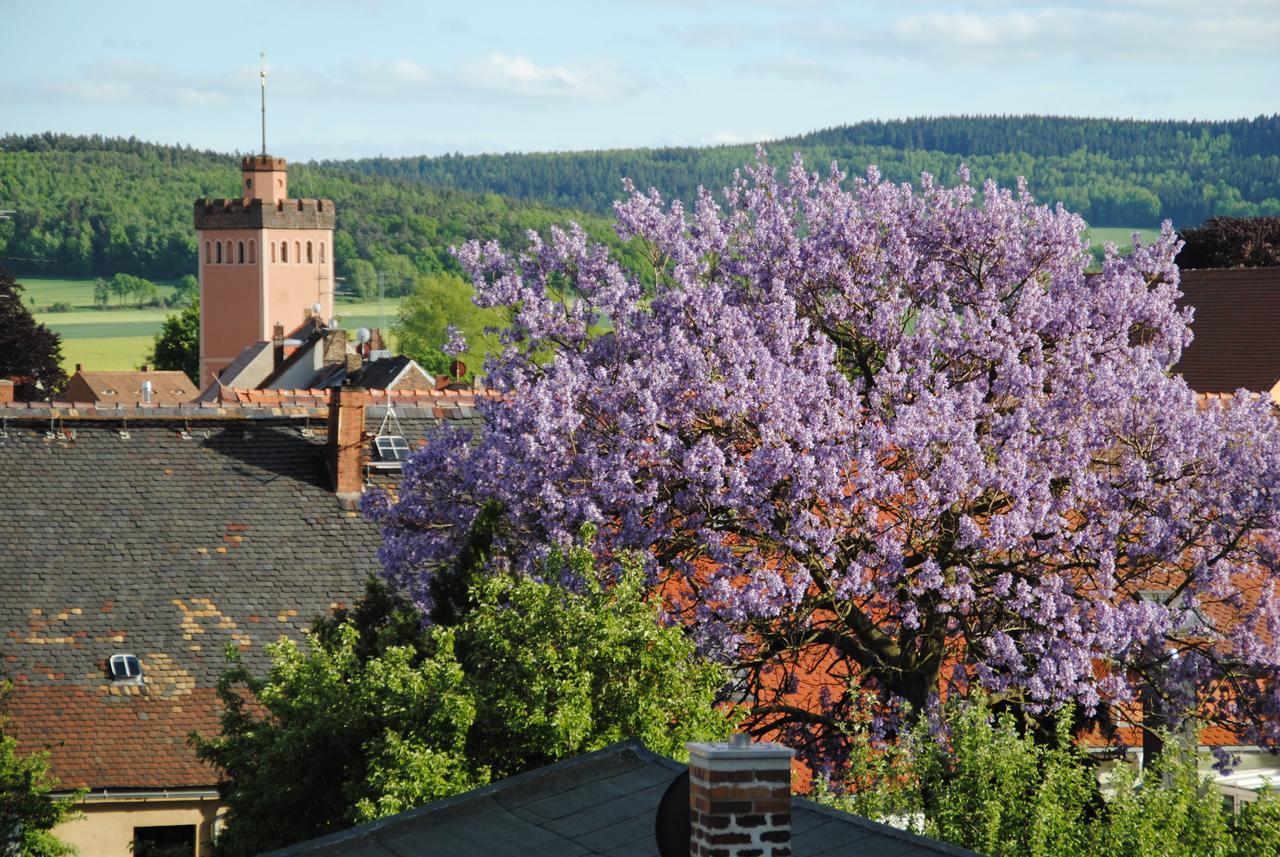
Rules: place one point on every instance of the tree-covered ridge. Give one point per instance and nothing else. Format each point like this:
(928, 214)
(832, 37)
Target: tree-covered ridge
(1113, 172)
(94, 205)
(91, 205)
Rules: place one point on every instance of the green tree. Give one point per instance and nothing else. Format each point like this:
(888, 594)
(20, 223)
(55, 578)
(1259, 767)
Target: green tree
(977, 780)
(437, 302)
(27, 813)
(187, 291)
(407, 713)
(177, 344)
(364, 277)
(30, 353)
(128, 286)
(557, 674)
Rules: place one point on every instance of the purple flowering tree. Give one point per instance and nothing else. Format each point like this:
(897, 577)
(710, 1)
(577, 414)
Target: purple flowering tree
(877, 438)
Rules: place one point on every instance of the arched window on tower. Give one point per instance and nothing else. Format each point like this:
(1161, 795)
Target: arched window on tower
(240, 252)
(309, 259)
(321, 252)
(284, 251)
(297, 251)
(253, 252)
(273, 251)
(208, 252)
(218, 253)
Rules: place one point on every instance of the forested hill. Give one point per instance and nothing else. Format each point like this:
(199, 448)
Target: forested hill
(1114, 172)
(93, 205)
(98, 206)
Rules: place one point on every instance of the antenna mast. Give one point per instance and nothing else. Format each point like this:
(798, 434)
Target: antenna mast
(262, 76)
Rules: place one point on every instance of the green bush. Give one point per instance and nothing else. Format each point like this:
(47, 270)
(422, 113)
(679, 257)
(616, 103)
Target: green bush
(982, 784)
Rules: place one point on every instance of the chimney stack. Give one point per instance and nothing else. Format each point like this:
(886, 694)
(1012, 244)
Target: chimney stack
(146, 392)
(6, 391)
(277, 344)
(739, 799)
(346, 446)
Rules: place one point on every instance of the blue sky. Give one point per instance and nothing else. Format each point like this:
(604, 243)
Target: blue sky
(364, 77)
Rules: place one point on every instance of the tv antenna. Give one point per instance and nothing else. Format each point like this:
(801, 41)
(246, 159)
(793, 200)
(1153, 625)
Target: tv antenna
(262, 77)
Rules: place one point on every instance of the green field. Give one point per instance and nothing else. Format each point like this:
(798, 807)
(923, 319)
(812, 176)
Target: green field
(120, 339)
(110, 339)
(1121, 235)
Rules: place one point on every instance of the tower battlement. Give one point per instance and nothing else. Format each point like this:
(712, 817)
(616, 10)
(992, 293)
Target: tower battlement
(262, 164)
(248, 213)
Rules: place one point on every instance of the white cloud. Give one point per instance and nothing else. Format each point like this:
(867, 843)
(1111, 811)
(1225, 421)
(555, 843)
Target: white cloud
(1094, 30)
(496, 78)
(129, 82)
(942, 32)
(520, 78)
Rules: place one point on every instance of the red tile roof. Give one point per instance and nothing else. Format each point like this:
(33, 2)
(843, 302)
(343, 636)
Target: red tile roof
(1236, 329)
(116, 737)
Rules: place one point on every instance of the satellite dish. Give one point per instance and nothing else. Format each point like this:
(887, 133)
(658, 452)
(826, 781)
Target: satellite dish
(316, 307)
(671, 824)
(363, 335)
(457, 368)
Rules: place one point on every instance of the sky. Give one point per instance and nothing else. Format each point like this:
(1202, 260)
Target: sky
(354, 78)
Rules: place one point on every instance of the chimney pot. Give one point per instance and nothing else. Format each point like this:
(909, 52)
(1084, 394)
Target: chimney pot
(79, 367)
(146, 368)
(733, 786)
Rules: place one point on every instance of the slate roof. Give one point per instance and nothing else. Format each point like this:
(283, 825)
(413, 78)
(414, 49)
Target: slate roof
(380, 374)
(601, 803)
(167, 533)
(1236, 329)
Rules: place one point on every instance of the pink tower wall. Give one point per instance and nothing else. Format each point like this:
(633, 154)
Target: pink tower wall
(231, 316)
(293, 287)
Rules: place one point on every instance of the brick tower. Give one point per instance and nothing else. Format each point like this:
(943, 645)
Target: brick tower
(265, 259)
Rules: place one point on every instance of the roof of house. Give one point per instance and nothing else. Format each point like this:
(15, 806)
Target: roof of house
(599, 803)
(252, 365)
(382, 374)
(1236, 329)
(169, 533)
(168, 387)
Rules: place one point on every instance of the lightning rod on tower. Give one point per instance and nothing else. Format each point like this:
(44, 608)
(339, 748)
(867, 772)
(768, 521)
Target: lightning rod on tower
(262, 76)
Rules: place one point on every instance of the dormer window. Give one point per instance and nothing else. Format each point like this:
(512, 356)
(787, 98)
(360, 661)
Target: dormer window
(392, 451)
(126, 669)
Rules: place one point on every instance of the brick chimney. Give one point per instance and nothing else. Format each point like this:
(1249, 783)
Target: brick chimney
(346, 446)
(739, 799)
(6, 391)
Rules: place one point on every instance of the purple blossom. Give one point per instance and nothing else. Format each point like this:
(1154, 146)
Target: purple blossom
(455, 343)
(890, 434)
